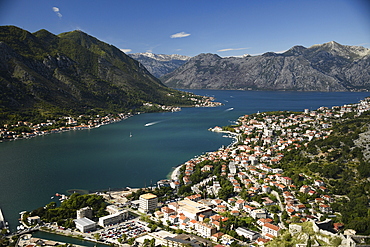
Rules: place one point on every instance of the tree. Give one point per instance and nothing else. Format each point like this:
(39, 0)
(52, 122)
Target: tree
(131, 241)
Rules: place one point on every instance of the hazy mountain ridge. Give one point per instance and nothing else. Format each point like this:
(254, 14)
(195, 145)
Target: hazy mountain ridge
(326, 67)
(159, 64)
(72, 72)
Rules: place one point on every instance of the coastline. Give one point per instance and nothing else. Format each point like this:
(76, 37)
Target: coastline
(174, 175)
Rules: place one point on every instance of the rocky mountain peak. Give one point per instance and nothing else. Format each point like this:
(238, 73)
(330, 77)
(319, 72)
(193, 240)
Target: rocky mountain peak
(326, 67)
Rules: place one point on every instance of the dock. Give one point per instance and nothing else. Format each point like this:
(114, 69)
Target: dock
(2, 220)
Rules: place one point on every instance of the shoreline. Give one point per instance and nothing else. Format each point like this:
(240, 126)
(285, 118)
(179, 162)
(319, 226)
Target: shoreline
(174, 175)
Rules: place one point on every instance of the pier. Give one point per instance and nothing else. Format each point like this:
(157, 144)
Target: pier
(2, 220)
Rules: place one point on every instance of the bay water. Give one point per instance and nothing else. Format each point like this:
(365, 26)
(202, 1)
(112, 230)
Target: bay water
(136, 152)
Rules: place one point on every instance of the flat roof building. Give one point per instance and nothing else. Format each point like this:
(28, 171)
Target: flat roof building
(191, 209)
(113, 218)
(85, 224)
(251, 235)
(85, 212)
(148, 202)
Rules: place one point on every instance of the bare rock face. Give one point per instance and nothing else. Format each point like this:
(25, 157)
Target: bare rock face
(326, 67)
(159, 64)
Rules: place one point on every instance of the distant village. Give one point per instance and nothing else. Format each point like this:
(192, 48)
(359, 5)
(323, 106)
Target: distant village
(251, 165)
(83, 122)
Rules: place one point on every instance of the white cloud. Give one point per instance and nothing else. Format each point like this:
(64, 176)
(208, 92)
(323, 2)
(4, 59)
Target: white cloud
(56, 10)
(125, 50)
(180, 35)
(232, 49)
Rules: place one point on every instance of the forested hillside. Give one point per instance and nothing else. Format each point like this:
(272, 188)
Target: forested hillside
(340, 162)
(43, 75)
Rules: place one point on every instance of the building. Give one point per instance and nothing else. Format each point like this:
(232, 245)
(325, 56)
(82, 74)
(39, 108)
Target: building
(148, 202)
(85, 212)
(85, 224)
(33, 220)
(112, 209)
(270, 230)
(249, 234)
(258, 213)
(113, 218)
(204, 229)
(191, 209)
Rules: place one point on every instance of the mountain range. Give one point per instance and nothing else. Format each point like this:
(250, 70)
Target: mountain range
(326, 67)
(160, 64)
(45, 74)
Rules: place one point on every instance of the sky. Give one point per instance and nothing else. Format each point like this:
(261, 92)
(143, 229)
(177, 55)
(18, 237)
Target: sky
(191, 27)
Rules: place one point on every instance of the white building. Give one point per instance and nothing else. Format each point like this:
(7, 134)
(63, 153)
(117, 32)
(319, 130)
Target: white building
(85, 212)
(191, 209)
(270, 230)
(113, 218)
(148, 202)
(249, 234)
(85, 224)
(259, 213)
(204, 229)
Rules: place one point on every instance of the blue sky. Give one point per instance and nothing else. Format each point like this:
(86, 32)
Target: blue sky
(187, 27)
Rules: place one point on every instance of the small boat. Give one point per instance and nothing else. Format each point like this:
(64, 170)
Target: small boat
(130, 134)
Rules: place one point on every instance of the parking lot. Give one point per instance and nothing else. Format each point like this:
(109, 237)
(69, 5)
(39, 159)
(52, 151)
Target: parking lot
(130, 228)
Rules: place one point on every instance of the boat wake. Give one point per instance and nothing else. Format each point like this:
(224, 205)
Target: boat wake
(152, 123)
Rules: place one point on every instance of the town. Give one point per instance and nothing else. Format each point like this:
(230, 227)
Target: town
(25, 129)
(238, 195)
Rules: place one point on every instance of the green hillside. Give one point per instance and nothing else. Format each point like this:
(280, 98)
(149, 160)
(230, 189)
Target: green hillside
(44, 75)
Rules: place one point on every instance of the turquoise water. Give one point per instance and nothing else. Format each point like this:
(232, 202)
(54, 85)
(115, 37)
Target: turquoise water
(107, 157)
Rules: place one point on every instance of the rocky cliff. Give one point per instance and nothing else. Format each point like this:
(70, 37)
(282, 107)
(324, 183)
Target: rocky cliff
(327, 67)
(160, 64)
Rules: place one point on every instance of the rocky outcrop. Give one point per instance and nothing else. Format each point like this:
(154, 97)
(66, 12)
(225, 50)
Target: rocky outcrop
(159, 64)
(326, 67)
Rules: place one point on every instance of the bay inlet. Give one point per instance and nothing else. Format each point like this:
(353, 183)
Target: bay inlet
(136, 152)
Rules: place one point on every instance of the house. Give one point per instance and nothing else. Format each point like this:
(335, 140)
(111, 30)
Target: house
(286, 180)
(234, 212)
(262, 241)
(173, 219)
(186, 180)
(319, 183)
(266, 189)
(194, 198)
(159, 214)
(167, 212)
(217, 236)
(263, 221)
(248, 208)
(239, 204)
(325, 208)
(328, 198)
(204, 229)
(259, 213)
(299, 207)
(268, 202)
(269, 230)
(304, 189)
